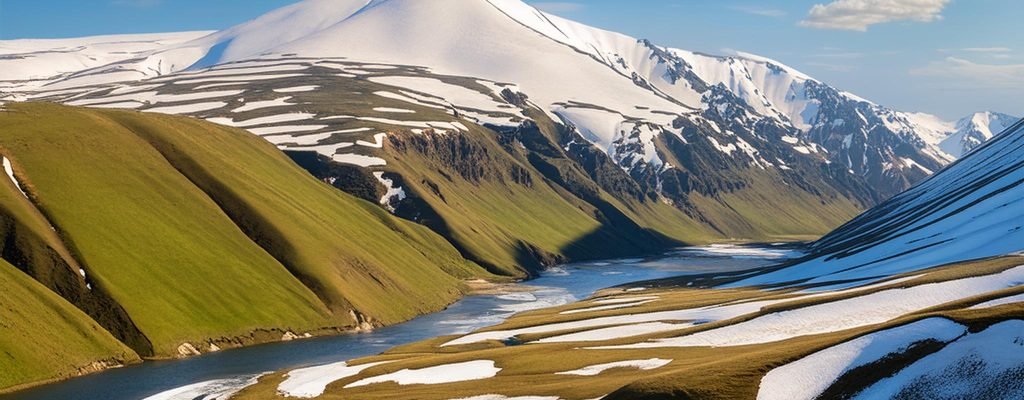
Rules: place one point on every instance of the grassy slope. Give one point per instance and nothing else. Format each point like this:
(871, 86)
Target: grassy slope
(32, 245)
(145, 234)
(351, 252)
(491, 218)
(43, 337)
(734, 214)
(695, 373)
(793, 214)
(207, 233)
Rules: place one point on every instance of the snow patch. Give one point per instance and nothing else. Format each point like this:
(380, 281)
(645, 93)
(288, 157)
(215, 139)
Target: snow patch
(297, 89)
(447, 373)
(312, 381)
(257, 105)
(360, 160)
(810, 376)
(393, 194)
(188, 108)
(843, 314)
(9, 169)
(220, 389)
(593, 370)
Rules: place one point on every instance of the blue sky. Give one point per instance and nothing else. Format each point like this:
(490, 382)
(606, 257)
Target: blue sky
(948, 57)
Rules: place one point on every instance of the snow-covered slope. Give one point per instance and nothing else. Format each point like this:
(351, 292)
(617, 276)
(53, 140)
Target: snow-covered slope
(30, 63)
(972, 209)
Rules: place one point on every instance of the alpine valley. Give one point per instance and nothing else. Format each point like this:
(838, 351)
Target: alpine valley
(338, 166)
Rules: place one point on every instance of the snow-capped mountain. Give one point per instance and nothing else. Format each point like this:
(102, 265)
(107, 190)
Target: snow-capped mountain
(619, 93)
(32, 63)
(973, 130)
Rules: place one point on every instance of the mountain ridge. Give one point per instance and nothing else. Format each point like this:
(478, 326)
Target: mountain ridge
(889, 149)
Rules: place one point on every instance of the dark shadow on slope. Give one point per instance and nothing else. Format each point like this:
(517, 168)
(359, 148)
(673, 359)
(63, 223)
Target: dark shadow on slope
(212, 57)
(58, 270)
(350, 179)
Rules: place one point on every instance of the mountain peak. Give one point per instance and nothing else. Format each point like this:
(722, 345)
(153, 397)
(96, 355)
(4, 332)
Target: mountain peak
(975, 129)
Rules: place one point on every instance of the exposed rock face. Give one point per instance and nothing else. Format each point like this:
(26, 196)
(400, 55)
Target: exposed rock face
(187, 350)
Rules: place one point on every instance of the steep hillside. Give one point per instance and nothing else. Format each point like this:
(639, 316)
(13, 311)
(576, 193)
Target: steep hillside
(44, 337)
(178, 235)
(693, 181)
(920, 297)
(973, 209)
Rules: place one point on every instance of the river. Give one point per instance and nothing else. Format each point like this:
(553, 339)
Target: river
(164, 380)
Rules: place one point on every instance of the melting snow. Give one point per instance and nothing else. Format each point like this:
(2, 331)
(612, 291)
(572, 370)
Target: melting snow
(256, 105)
(617, 332)
(392, 191)
(312, 381)
(1017, 298)
(297, 89)
(272, 119)
(188, 108)
(843, 314)
(447, 373)
(9, 169)
(593, 370)
(810, 376)
(618, 300)
(272, 130)
(360, 160)
(393, 110)
(220, 389)
(703, 314)
(606, 307)
(991, 360)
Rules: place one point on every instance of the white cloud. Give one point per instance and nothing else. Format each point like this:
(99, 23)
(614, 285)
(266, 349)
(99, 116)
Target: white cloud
(858, 15)
(558, 6)
(963, 72)
(764, 12)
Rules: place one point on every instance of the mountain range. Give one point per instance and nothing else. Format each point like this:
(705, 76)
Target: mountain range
(919, 297)
(602, 84)
(468, 139)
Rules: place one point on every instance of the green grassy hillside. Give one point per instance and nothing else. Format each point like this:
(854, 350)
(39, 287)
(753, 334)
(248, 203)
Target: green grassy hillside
(514, 199)
(352, 253)
(189, 232)
(43, 337)
(501, 211)
(143, 232)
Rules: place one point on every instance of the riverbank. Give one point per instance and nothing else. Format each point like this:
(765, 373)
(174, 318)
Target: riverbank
(559, 286)
(723, 342)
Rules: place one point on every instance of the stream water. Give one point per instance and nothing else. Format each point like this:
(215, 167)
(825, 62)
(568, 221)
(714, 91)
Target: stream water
(164, 380)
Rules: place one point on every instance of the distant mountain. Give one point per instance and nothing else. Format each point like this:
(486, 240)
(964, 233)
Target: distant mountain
(702, 138)
(973, 130)
(919, 297)
(598, 82)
